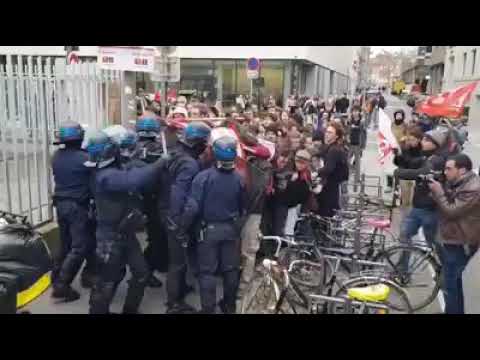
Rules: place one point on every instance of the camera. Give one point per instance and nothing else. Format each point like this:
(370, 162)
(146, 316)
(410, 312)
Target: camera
(425, 179)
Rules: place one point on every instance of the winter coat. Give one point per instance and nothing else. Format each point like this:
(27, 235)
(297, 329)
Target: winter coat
(425, 165)
(409, 158)
(399, 131)
(459, 209)
(342, 105)
(335, 160)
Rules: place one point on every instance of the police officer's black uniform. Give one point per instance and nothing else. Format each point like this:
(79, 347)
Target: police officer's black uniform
(118, 218)
(177, 212)
(71, 198)
(220, 198)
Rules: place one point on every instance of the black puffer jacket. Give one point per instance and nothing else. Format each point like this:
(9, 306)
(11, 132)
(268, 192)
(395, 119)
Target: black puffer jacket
(411, 158)
(421, 166)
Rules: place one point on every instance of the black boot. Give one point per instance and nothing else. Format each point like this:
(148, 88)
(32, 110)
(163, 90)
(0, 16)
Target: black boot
(227, 309)
(87, 280)
(180, 308)
(65, 294)
(101, 297)
(154, 282)
(136, 290)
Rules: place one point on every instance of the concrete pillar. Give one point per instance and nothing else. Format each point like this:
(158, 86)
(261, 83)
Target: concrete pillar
(287, 81)
(128, 97)
(219, 72)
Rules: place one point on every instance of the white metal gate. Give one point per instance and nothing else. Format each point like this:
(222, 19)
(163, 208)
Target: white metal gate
(35, 96)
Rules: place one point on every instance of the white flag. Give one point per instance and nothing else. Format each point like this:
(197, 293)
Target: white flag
(386, 140)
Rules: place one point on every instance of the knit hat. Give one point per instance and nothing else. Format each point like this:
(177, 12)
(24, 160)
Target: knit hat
(439, 138)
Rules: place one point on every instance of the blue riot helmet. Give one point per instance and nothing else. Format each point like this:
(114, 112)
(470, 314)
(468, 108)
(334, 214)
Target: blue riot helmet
(196, 136)
(128, 143)
(148, 126)
(225, 151)
(102, 150)
(69, 132)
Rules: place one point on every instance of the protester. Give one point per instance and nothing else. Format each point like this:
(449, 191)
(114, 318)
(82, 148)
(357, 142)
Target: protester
(334, 172)
(410, 156)
(424, 213)
(342, 104)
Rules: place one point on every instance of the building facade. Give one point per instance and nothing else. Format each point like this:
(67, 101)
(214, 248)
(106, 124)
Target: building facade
(461, 68)
(418, 70)
(437, 69)
(219, 72)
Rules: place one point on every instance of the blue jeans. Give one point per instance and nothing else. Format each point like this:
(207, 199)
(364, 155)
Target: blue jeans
(416, 219)
(455, 259)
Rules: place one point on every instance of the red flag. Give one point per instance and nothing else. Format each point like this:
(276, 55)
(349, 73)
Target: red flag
(449, 104)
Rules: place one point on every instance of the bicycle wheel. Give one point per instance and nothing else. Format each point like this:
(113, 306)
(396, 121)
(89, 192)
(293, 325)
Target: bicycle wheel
(262, 297)
(414, 269)
(398, 301)
(306, 275)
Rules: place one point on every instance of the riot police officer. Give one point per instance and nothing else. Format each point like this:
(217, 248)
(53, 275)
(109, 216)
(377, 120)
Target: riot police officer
(116, 191)
(177, 212)
(219, 195)
(148, 150)
(71, 198)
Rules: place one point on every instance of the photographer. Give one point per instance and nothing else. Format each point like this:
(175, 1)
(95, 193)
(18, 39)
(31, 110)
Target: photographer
(423, 213)
(459, 212)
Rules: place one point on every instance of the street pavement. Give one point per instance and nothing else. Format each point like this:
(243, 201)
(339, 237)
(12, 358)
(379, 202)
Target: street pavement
(154, 301)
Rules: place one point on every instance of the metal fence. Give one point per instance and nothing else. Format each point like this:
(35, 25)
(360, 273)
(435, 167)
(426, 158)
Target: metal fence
(35, 96)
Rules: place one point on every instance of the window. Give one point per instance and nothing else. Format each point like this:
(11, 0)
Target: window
(464, 63)
(474, 58)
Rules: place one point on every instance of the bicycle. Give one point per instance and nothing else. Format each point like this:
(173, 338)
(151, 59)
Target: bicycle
(278, 293)
(414, 266)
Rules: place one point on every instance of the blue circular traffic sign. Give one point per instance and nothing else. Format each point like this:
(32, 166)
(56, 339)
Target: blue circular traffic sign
(253, 64)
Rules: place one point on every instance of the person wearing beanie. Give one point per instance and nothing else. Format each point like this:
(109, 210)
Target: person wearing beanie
(410, 156)
(424, 211)
(399, 130)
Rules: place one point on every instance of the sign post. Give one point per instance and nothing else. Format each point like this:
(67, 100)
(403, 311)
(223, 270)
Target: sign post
(253, 72)
(166, 69)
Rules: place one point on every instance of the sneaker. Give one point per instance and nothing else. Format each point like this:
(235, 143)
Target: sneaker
(65, 294)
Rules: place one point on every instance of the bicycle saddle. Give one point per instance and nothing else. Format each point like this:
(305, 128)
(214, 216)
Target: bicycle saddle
(379, 223)
(374, 293)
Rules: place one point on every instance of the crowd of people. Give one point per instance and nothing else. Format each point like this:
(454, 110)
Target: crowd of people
(205, 181)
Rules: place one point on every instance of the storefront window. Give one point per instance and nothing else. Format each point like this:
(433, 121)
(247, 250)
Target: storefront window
(273, 74)
(198, 77)
(243, 83)
(227, 70)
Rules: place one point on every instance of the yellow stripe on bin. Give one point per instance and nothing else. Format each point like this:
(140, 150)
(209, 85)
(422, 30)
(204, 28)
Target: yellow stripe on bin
(34, 291)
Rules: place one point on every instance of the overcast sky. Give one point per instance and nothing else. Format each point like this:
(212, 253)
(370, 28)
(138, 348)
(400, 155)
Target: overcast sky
(378, 49)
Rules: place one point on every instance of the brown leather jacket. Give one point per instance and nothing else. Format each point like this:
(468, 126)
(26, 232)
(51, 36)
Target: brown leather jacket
(459, 211)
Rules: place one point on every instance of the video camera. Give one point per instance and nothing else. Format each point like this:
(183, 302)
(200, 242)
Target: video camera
(425, 179)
